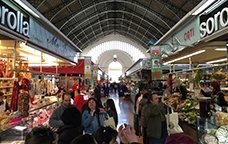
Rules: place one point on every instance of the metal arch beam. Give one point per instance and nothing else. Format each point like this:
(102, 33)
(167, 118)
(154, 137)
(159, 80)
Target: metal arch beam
(62, 9)
(114, 30)
(104, 20)
(173, 9)
(145, 12)
(133, 36)
(123, 1)
(99, 35)
(89, 21)
(40, 4)
(108, 12)
(106, 56)
(119, 31)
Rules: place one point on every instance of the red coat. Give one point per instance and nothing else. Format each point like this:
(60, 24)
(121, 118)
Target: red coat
(80, 101)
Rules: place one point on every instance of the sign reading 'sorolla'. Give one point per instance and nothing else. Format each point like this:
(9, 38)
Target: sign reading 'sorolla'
(214, 21)
(14, 20)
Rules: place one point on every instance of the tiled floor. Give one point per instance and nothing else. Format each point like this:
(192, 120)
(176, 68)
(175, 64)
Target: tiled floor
(125, 109)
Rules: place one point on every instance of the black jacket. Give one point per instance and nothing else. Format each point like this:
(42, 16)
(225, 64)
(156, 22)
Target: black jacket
(67, 133)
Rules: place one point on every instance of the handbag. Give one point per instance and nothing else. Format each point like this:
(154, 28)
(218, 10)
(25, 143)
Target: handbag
(172, 122)
(110, 122)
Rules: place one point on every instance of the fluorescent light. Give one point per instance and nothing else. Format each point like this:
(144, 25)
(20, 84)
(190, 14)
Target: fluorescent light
(217, 61)
(221, 49)
(214, 6)
(203, 7)
(20, 128)
(183, 57)
(26, 8)
(43, 64)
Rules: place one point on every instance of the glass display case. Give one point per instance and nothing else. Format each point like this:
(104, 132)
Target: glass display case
(14, 131)
(211, 132)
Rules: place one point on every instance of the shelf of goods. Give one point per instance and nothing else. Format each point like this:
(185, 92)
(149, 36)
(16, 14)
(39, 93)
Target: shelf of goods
(188, 111)
(6, 86)
(213, 130)
(13, 127)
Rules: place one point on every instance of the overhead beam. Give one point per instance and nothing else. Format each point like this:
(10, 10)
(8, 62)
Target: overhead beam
(130, 36)
(112, 19)
(108, 11)
(157, 15)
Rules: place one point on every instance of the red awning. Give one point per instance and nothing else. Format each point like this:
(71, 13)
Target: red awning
(77, 69)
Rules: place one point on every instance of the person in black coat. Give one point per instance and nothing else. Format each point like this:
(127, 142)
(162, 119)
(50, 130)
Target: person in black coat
(72, 128)
(111, 110)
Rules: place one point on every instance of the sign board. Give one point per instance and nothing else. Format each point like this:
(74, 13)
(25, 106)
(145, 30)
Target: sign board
(156, 67)
(14, 19)
(214, 21)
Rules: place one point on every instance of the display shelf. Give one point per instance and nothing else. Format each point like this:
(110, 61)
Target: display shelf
(208, 129)
(11, 133)
(8, 78)
(8, 94)
(42, 106)
(2, 87)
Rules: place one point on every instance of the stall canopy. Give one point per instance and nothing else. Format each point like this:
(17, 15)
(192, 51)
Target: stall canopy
(77, 69)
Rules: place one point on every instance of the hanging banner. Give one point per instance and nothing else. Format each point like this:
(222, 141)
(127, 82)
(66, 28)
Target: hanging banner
(95, 71)
(156, 67)
(87, 71)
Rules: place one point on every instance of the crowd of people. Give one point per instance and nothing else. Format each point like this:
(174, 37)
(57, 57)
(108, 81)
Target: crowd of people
(83, 120)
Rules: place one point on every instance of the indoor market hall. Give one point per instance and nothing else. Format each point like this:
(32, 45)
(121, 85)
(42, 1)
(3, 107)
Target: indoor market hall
(113, 71)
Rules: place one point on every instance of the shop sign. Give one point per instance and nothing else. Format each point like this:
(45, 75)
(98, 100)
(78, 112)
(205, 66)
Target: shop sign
(137, 66)
(156, 67)
(146, 64)
(95, 71)
(42, 37)
(214, 21)
(14, 19)
(186, 37)
(87, 68)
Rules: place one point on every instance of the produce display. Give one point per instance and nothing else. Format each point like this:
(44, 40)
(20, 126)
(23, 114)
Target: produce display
(185, 108)
(221, 118)
(188, 110)
(222, 134)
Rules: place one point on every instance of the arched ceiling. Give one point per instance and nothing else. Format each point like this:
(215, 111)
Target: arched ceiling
(107, 57)
(86, 21)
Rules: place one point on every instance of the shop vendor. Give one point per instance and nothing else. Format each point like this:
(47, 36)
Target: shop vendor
(4, 107)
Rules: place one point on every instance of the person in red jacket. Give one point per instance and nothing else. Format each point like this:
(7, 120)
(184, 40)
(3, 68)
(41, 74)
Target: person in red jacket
(80, 100)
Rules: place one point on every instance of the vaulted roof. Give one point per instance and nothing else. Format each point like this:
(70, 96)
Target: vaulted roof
(87, 21)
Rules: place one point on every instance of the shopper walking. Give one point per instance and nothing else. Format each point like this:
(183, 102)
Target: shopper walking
(153, 121)
(55, 120)
(111, 110)
(93, 117)
(72, 127)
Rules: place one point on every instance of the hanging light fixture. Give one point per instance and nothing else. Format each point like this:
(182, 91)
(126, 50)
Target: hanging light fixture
(114, 58)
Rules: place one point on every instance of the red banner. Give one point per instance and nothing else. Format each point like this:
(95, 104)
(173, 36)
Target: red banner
(77, 69)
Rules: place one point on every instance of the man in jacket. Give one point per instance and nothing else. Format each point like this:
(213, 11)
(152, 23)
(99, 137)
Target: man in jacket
(55, 119)
(153, 121)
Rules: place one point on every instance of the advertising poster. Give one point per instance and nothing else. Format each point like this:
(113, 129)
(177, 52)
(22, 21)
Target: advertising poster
(156, 66)
(87, 68)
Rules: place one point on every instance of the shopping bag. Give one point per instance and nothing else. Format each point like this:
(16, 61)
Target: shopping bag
(172, 122)
(110, 122)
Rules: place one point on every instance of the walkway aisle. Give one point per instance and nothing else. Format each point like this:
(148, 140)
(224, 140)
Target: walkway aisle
(125, 109)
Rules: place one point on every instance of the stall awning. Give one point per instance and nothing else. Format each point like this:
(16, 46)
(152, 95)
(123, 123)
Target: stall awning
(77, 69)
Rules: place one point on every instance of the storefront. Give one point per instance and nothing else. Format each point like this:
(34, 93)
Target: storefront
(27, 40)
(202, 40)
